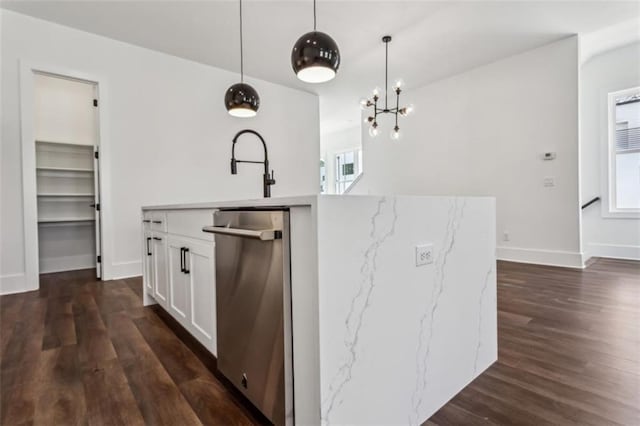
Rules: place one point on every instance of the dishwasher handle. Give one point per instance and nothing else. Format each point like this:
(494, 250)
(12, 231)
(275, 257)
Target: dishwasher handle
(263, 234)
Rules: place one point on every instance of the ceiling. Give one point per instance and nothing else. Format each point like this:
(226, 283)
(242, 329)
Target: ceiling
(431, 39)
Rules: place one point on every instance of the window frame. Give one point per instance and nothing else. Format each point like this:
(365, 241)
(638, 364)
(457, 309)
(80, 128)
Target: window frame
(609, 207)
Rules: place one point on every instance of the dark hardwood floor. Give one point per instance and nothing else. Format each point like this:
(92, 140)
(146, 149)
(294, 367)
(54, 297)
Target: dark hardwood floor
(79, 351)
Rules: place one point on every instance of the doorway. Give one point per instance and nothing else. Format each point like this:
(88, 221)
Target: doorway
(66, 137)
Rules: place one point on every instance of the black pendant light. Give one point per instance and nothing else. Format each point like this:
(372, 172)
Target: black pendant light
(241, 99)
(315, 57)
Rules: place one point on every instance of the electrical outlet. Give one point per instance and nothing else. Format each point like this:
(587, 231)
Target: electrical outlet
(549, 181)
(424, 254)
(505, 236)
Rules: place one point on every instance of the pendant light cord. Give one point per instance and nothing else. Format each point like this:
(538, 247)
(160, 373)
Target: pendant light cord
(386, 72)
(314, 15)
(241, 52)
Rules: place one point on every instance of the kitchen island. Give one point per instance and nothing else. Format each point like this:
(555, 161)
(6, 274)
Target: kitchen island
(393, 298)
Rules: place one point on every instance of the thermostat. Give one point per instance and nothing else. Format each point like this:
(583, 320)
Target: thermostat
(549, 156)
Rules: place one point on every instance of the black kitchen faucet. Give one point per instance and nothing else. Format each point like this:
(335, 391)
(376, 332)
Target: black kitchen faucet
(267, 179)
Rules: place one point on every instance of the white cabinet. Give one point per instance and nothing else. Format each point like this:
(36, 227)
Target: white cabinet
(200, 262)
(160, 269)
(180, 271)
(179, 291)
(147, 262)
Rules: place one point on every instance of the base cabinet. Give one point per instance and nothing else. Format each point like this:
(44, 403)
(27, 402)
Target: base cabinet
(200, 260)
(179, 273)
(160, 273)
(179, 291)
(147, 263)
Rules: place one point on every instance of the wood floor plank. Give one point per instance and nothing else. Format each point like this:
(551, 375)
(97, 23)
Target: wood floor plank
(109, 398)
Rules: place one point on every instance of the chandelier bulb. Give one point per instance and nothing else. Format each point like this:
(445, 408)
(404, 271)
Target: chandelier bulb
(373, 131)
(395, 134)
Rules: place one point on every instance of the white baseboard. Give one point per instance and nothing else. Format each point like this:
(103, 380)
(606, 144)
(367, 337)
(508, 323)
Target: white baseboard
(67, 263)
(613, 251)
(13, 283)
(566, 259)
(125, 270)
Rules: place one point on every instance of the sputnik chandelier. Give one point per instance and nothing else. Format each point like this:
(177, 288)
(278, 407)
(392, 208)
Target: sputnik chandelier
(373, 102)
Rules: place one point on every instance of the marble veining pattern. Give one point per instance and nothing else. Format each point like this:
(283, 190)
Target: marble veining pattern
(455, 216)
(480, 306)
(398, 340)
(380, 232)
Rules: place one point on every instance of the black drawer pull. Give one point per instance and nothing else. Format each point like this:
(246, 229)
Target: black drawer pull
(148, 248)
(182, 259)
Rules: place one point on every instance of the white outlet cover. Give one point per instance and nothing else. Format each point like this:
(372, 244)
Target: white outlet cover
(424, 254)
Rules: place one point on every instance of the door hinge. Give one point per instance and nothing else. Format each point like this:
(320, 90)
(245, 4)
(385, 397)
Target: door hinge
(99, 259)
(95, 102)
(96, 155)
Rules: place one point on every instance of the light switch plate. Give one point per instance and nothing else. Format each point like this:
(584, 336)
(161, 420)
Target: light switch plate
(424, 254)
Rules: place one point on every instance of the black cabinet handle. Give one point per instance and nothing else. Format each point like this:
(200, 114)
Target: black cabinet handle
(148, 248)
(156, 221)
(182, 259)
(157, 238)
(186, 270)
(144, 221)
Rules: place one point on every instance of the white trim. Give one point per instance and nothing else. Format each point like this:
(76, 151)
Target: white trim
(566, 259)
(613, 251)
(126, 269)
(27, 69)
(13, 283)
(609, 208)
(67, 263)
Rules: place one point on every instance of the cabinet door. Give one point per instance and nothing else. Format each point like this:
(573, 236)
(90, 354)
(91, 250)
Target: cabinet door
(160, 269)
(147, 255)
(201, 265)
(179, 290)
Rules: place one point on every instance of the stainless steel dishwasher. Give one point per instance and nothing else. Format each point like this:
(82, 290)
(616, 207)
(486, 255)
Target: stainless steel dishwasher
(253, 300)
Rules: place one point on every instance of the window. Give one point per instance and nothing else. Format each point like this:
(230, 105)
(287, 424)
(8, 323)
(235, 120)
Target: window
(624, 151)
(348, 167)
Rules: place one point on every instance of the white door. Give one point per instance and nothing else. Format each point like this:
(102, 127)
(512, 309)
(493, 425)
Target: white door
(201, 266)
(160, 269)
(179, 291)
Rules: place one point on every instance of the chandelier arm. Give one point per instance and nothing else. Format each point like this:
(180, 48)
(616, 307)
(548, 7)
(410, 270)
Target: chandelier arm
(397, 106)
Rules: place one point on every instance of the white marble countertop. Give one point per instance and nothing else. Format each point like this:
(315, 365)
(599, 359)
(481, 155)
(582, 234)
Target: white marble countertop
(299, 200)
(296, 200)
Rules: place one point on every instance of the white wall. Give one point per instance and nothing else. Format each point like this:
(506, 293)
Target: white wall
(483, 132)
(612, 71)
(333, 143)
(169, 136)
